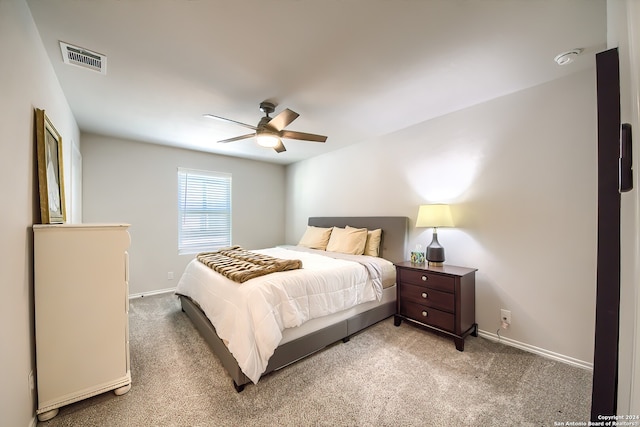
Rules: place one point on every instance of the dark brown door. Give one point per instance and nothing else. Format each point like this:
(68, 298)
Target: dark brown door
(605, 361)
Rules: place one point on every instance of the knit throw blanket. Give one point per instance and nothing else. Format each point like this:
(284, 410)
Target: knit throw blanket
(241, 265)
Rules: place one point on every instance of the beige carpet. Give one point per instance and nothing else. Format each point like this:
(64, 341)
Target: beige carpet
(384, 376)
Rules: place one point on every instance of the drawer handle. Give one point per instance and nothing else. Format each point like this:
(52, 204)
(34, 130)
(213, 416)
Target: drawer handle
(425, 278)
(425, 295)
(424, 313)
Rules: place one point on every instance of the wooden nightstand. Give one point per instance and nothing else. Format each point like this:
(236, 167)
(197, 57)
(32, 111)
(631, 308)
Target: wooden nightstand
(440, 298)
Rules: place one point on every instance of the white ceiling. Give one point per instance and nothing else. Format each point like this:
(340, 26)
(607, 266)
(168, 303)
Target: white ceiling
(353, 69)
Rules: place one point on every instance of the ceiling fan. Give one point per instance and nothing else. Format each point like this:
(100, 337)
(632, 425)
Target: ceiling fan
(269, 130)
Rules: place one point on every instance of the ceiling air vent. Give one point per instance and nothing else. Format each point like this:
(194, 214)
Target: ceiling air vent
(80, 57)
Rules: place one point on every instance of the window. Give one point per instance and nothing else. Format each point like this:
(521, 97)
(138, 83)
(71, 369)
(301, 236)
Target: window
(204, 210)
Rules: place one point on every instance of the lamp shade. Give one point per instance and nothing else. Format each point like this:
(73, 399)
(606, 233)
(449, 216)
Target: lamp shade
(438, 215)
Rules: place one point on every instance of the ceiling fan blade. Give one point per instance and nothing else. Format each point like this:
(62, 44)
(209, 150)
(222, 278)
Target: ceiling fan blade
(302, 136)
(280, 147)
(283, 119)
(238, 138)
(211, 116)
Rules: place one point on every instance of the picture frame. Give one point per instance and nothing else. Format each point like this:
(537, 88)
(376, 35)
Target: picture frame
(50, 171)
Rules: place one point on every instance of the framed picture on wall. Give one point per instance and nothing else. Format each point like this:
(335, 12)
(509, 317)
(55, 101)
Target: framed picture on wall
(50, 172)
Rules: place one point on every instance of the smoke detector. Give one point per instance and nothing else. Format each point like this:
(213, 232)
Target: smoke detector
(83, 58)
(567, 57)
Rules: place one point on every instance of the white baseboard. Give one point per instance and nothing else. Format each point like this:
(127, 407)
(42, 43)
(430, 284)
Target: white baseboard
(157, 292)
(34, 422)
(536, 350)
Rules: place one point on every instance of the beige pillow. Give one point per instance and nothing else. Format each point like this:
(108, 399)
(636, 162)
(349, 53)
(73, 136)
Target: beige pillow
(372, 247)
(315, 237)
(347, 240)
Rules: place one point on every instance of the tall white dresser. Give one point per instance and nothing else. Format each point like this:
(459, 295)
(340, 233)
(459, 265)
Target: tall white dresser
(81, 293)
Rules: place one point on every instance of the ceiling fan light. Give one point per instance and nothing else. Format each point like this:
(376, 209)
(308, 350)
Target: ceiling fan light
(267, 139)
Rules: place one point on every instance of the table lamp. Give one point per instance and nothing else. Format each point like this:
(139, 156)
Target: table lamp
(437, 215)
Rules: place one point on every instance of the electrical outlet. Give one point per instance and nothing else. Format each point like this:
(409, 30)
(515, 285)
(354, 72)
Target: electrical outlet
(170, 275)
(505, 318)
(32, 384)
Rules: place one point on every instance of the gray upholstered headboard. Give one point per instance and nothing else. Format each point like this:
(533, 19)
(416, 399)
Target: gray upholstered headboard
(393, 245)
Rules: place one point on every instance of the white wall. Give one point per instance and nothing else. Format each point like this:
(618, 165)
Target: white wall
(623, 32)
(136, 183)
(520, 173)
(27, 81)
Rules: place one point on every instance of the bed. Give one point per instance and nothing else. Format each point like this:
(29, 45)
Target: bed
(316, 333)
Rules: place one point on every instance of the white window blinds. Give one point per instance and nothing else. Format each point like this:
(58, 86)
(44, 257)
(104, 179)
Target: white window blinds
(204, 210)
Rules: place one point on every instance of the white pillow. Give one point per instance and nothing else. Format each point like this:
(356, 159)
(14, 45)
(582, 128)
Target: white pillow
(315, 237)
(347, 240)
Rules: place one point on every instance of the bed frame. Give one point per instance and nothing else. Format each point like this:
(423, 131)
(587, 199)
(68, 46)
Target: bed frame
(392, 246)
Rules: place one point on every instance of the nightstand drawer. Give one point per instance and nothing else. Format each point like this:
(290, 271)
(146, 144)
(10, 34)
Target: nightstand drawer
(426, 296)
(429, 316)
(424, 278)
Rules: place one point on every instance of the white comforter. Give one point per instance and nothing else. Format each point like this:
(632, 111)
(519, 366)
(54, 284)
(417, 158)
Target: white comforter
(251, 316)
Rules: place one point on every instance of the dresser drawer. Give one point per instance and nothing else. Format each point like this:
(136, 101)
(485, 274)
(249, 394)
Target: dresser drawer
(427, 296)
(424, 278)
(428, 315)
